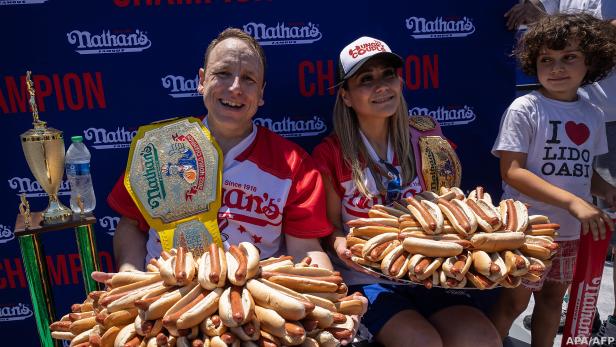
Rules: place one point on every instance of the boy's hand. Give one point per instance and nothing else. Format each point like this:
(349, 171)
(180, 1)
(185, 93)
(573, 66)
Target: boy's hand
(592, 218)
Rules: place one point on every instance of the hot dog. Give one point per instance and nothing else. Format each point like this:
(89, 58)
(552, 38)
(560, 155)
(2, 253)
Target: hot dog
(459, 215)
(517, 264)
(212, 326)
(178, 269)
(291, 306)
(377, 247)
(514, 215)
(372, 231)
(125, 334)
(249, 331)
(480, 281)
(490, 265)
(480, 194)
(541, 247)
(457, 193)
(431, 248)
(200, 310)
(160, 306)
(303, 283)
(213, 268)
(395, 263)
(457, 267)
(488, 217)
(422, 267)
(392, 211)
(537, 269)
(451, 282)
(428, 214)
(273, 323)
(363, 222)
(235, 306)
(496, 242)
(242, 263)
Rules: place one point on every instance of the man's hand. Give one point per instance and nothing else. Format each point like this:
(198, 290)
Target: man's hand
(524, 13)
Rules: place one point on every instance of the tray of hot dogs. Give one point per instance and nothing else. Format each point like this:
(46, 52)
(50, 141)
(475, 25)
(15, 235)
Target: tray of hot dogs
(224, 298)
(453, 241)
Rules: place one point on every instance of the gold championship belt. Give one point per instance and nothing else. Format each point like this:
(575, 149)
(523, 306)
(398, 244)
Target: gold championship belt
(174, 175)
(440, 166)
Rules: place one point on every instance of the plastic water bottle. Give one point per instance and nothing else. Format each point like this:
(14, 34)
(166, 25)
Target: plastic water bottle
(78, 173)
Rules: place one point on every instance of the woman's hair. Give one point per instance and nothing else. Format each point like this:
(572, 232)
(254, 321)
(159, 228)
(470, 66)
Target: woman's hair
(355, 153)
(235, 33)
(597, 41)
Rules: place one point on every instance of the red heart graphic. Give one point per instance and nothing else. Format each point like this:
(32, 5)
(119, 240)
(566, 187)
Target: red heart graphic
(577, 132)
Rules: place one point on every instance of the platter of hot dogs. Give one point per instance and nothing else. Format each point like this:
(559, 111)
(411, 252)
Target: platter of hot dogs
(224, 298)
(453, 241)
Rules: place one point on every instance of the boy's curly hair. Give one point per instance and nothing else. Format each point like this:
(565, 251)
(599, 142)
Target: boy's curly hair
(597, 42)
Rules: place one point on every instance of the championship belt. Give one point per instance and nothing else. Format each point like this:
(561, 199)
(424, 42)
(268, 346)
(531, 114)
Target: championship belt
(438, 163)
(174, 175)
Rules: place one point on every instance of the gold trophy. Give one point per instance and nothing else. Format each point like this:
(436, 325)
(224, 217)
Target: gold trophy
(44, 151)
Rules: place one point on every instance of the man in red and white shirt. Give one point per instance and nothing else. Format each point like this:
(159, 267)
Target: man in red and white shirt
(272, 194)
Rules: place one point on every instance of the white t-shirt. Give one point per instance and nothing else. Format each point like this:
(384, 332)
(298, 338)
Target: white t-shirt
(571, 6)
(561, 140)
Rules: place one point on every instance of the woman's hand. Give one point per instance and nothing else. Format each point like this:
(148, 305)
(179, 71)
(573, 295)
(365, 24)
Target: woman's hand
(345, 255)
(591, 217)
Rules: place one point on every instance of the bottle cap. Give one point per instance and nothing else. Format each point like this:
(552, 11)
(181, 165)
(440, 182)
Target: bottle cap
(77, 138)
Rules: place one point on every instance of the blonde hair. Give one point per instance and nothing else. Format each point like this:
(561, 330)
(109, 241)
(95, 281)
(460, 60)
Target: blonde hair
(355, 153)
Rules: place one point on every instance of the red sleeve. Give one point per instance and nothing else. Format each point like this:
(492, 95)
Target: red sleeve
(304, 214)
(120, 201)
(324, 156)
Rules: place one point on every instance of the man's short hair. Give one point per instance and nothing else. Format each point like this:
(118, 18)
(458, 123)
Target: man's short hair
(239, 34)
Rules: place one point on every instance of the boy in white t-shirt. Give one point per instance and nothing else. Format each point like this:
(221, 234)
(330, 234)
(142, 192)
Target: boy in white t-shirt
(546, 145)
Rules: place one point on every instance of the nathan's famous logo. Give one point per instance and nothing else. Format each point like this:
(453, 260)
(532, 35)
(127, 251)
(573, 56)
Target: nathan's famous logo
(446, 115)
(14, 312)
(188, 165)
(284, 34)
(288, 127)
(109, 223)
(249, 201)
(32, 189)
(6, 234)
(359, 50)
(107, 41)
(156, 188)
(109, 139)
(181, 87)
(21, 2)
(422, 28)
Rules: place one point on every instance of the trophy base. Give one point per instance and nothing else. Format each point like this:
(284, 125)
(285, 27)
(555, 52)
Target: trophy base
(56, 212)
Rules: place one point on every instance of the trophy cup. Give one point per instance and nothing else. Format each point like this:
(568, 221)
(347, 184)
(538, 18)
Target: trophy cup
(44, 151)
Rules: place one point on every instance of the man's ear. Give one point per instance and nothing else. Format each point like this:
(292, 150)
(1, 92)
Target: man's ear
(201, 80)
(261, 101)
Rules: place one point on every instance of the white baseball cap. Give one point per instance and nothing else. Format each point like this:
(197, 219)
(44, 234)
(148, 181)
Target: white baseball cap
(358, 52)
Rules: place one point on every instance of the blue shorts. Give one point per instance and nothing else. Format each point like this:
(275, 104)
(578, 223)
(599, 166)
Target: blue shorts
(387, 300)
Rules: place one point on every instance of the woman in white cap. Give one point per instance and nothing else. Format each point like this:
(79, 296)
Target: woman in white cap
(371, 159)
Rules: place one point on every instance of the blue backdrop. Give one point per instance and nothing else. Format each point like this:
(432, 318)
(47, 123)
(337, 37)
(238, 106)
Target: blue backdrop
(102, 68)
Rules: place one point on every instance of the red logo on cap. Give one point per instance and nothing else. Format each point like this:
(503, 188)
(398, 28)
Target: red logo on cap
(365, 48)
